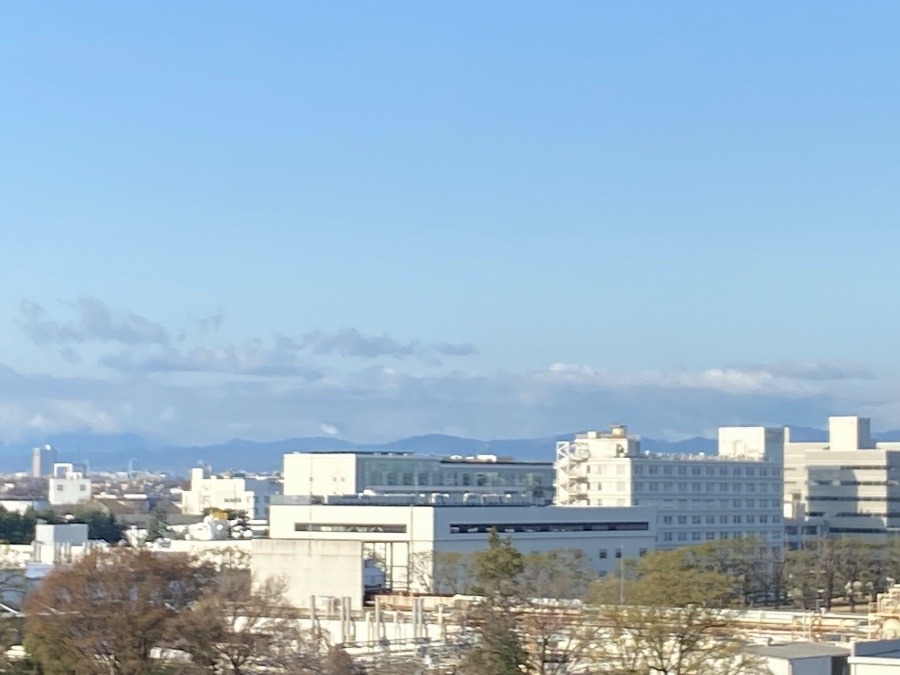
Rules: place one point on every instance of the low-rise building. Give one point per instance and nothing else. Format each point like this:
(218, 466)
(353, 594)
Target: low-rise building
(238, 492)
(68, 485)
(802, 658)
(407, 538)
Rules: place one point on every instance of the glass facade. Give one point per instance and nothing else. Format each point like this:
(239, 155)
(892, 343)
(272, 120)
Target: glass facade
(435, 474)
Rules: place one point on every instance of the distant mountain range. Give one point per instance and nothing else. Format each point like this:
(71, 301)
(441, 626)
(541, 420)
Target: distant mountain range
(115, 451)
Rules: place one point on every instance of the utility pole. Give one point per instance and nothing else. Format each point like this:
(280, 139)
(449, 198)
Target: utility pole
(620, 550)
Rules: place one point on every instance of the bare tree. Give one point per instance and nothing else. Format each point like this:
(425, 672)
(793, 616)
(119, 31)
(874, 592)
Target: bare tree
(239, 627)
(109, 610)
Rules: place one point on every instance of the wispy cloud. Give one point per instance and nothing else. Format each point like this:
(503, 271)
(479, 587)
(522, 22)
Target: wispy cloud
(94, 321)
(351, 342)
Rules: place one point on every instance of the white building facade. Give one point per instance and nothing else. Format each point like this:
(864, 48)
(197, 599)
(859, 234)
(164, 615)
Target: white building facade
(406, 539)
(698, 498)
(68, 486)
(848, 485)
(347, 473)
(251, 494)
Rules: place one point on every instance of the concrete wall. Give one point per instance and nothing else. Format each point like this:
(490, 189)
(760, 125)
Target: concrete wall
(75, 534)
(321, 474)
(62, 491)
(322, 568)
(875, 657)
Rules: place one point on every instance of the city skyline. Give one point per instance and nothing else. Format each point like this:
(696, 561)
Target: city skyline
(489, 221)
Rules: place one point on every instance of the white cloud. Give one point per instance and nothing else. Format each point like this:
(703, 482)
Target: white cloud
(281, 387)
(330, 430)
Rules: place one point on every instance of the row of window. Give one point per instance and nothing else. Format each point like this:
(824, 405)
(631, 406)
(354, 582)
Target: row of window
(639, 486)
(852, 498)
(721, 470)
(709, 536)
(329, 527)
(857, 514)
(604, 554)
(455, 479)
(710, 503)
(737, 519)
(511, 528)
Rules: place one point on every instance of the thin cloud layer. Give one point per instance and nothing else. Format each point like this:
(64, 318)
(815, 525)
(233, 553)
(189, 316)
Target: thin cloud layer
(374, 388)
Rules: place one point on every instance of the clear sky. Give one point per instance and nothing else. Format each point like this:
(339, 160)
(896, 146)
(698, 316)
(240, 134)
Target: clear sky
(489, 219)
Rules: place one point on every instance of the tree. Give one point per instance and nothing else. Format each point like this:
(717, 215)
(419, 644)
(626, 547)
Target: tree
(109, 610)
(234, 626)
(531, 616)
(499, 649)
(553, 625)
(157, 523)
(670, 621)
(102, 525)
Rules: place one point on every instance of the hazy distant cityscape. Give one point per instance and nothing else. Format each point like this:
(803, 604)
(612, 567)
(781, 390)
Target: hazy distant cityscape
(449, 338)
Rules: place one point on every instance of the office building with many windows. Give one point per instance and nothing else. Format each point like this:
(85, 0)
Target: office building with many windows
(847, 485)
(698, 498)
(350, 473)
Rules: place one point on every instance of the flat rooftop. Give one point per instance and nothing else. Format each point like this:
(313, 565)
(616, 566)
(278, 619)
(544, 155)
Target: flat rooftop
(446, 459)
(798, 650)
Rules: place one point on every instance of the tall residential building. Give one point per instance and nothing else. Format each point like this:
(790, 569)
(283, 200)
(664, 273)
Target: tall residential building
(42, 460)
(346, 473)
(846, 485)
(732, 495)
(248, 493)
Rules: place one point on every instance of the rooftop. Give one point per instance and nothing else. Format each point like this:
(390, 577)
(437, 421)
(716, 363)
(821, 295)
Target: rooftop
(474, 459)
(798, 650)
(452, 499)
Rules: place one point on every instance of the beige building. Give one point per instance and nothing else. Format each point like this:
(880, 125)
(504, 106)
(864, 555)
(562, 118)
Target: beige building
(247, 493)
(732, 495)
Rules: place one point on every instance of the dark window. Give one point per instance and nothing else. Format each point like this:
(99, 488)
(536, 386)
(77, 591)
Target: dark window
(329, 527)
(524, 528)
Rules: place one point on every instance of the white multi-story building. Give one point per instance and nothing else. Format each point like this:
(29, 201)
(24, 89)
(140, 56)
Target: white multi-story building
(846, 485)
(732, 495)
(406, 537)
(251, 494)
(345, 473)
(68, 485)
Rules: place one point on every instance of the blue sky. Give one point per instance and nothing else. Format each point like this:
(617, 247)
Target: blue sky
(490, 219)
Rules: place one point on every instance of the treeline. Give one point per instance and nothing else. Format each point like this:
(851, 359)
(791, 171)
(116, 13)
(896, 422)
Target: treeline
(128, 611)
(660, 615)
(848, 571)
(19, 528)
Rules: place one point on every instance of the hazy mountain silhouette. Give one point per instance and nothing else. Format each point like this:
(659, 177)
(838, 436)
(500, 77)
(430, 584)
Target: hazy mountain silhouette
(114, 451)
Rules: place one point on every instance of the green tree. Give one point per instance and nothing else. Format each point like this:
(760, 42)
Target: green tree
(497, 569)
(670, 621)
(102, 525)
(499, 649)
(157, 523)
